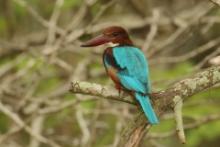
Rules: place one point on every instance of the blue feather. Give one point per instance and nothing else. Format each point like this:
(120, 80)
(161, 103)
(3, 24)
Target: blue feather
(131, 83)
(147, 108)
(133, 61)
(134, 76)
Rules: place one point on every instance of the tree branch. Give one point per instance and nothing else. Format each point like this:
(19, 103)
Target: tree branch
(162, 100)
(179, 119)
(94, 89)
(217, 2)
(197, 123)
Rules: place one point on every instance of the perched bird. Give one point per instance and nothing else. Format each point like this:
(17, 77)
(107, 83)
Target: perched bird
(127, 66)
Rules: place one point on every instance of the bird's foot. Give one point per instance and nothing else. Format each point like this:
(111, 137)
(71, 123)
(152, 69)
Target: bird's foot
(119, 93)
(154, 94)
(118, 87)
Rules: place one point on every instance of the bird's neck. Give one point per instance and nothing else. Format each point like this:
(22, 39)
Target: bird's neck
(124, 42)
(111, 44)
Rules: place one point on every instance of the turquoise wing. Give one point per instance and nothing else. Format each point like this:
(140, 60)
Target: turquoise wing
(134, 74)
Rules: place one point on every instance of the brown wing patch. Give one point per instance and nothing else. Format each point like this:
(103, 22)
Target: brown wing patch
(112, 72)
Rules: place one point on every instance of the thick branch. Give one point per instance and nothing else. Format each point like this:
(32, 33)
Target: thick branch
(98, 90)
(163, 100)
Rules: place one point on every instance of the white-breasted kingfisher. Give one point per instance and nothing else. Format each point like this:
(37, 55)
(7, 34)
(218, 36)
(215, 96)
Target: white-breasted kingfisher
(127, 66)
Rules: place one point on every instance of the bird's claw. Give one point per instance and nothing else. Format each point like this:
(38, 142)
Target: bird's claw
(119, 93)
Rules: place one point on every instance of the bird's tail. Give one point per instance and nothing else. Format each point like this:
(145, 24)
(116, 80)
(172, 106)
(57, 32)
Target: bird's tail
(147, 108)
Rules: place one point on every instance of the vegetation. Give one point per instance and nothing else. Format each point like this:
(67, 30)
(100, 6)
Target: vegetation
(40, 55)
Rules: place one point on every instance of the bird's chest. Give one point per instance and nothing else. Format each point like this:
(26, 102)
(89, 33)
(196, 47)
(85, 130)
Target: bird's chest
(108, 58)
(110, 65)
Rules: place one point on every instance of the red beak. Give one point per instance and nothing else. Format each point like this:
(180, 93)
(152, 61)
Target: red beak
(99, 40)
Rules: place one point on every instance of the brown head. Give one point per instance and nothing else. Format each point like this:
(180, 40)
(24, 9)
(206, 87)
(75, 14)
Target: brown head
(115, 34)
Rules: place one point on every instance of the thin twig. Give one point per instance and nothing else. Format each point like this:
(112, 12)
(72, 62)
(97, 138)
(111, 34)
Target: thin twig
(36, 15)
(153, 30)
(198, 123)
(21, 124)
(217, 2)
(209, 45)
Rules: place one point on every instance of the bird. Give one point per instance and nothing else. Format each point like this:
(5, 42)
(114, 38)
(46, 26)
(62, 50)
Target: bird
(127, 67)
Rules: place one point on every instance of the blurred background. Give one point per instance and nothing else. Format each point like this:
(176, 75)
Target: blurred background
(40, 55)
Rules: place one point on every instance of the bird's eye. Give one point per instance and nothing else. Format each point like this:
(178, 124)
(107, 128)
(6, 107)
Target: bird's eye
(115, 34)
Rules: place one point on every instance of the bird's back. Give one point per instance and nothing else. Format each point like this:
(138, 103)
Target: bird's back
(133, 64)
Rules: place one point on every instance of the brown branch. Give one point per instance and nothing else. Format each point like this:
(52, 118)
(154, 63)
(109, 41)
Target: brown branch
(36, 15)
(196, 124)
(98, 90)
(163, 100)
(217, 2)
(207, 58)
(153, 30)
(207, 46)
(19, 122)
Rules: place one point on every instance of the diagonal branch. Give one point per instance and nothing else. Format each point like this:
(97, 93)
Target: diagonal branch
(19, 122)
(162, 101)
(36, 15)
(217, 2)
(198, 123)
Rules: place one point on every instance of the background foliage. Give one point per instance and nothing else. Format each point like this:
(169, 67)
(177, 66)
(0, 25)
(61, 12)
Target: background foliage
(40, 55)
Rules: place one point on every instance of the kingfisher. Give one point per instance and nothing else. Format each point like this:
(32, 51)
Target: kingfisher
(127, 66)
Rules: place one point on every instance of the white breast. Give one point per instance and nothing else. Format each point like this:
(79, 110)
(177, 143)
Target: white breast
(111, 44)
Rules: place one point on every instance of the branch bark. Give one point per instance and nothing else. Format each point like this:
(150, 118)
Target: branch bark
(217, 2)
(162, 101)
